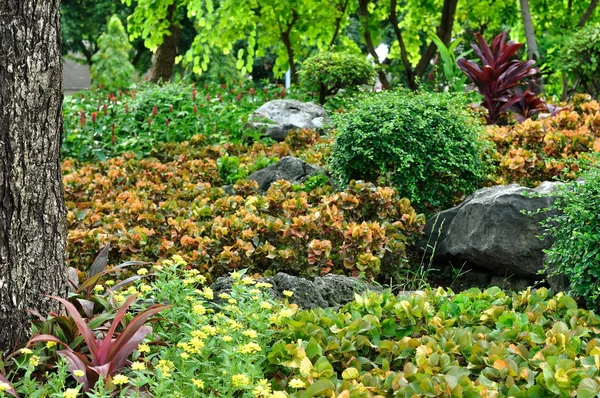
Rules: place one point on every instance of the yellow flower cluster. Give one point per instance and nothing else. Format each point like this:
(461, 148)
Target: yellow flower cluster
(166, 367)
(249, 348)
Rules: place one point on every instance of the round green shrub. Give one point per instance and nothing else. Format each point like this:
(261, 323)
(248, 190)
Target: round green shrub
(329, 72)
(426, 145)
(111, 67)
(580, 59)
(575, 252)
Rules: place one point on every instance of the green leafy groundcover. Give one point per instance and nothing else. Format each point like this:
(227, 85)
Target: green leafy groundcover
(437, 343)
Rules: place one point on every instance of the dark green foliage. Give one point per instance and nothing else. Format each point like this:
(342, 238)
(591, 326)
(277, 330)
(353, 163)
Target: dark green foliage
(427, 146)
(580, 59)
(575, 252)
(329, 72)
(111, 68)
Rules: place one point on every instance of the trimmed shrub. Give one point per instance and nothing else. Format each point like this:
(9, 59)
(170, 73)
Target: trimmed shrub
(427, 146)
(111, 67)
(580, 59)
(329, 72)
(575, 252)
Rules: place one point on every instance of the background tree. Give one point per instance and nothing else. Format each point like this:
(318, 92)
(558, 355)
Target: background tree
(83, 21)
(32, 209)
(111, 67)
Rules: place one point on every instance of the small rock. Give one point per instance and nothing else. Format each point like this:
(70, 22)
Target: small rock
(288, 168)
(276, 118)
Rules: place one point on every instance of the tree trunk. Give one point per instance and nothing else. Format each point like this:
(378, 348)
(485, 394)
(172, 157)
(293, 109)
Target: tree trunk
(364, 13)
(32, 208)
(285, 38)
(163, 61)
(588, 13)
(393, 17)
(444, 32)
(532, 48)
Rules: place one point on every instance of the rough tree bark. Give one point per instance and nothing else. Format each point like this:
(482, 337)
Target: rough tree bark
(32, 209)
(163, 61)
(532, 48)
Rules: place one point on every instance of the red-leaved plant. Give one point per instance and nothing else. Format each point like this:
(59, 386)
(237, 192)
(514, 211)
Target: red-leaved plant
(6, 386)
(500, 75)
(108, 354)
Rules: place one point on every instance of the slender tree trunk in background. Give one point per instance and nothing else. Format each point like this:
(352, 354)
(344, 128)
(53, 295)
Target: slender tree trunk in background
(163, 61)
(338, 21)
(588, 13)
(393, 17)
(364, 13)
(532, 48)
(32, 208)
(285, 39)
(444, 32)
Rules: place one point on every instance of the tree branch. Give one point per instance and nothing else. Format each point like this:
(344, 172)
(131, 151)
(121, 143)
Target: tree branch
(393, 17)
(588, 13)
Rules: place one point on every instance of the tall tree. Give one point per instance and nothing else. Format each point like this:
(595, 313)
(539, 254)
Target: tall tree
(588, 13)
(32, 209)
(532, 48)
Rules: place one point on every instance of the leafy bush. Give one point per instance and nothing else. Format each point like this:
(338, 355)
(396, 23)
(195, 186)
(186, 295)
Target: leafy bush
(99, 125)
(499, 77)
(440, 344)
(575, 252)
(427, 146)
(540, 150)
(111, 68)
(328, 72)
(580, 59)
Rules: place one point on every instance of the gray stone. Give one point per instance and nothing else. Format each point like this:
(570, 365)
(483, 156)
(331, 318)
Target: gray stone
(276, 118)
(514, 284)
(490, 230)
(328, 291)
(288, 168)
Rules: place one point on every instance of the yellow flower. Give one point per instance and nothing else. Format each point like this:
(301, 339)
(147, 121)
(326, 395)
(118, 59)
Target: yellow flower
(224, 296)
(132, 290)
(70, 393)
(98, 288)
(297, 383)
(266, 306)
(79, 373)
(279, 394)
(236, 275)
(240, 380)
(262, 389)
(254, 291)
(120, 379)
(109, 282)
(199, 309)
(202, 335)
(184, 355)
(51, 344)
(250, 333)
(198, 383)
(145, 288)
(4, 386)
(34, 360)
(249, 348)
(25, 351)
(165, 367)
(264, 285)
(142, 271)
(138, 366)
(143, 348)
(179, 260)
(211, 330)
(287, 293)
(227, 338)
(208, 293)
(232, 301)
(248, 281)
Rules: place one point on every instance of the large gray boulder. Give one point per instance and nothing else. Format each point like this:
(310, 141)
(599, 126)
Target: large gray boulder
(490, 230)
(328, 291)
(288, 168)
(276, 118)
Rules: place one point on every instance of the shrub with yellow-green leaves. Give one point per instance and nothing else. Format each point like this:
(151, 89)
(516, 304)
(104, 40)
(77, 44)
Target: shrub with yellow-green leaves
(437, 343)
(538, 150)
(150, 209)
